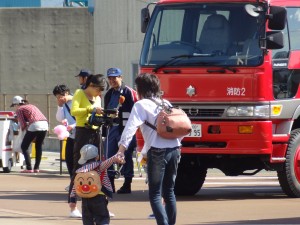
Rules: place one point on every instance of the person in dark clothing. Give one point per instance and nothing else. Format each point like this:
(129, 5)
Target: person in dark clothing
(82, 77)
(113, 134)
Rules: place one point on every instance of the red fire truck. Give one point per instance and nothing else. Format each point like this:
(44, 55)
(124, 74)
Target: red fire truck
(234, 67)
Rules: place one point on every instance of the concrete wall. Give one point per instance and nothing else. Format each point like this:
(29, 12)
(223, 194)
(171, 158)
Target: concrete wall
(43, 47)
(40, 48)
(118, 39)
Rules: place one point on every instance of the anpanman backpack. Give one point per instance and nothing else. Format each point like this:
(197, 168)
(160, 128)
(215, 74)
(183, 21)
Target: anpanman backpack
(171, 122)
(87, 184)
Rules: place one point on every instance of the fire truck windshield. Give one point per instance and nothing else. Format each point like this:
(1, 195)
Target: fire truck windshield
(203, 35)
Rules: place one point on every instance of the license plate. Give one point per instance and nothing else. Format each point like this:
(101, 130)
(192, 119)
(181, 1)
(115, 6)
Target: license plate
(196, 131)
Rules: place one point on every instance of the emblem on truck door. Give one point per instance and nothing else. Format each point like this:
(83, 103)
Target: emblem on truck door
(190, 91)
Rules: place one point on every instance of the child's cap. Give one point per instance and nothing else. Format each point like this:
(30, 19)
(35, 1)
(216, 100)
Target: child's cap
(87, 152)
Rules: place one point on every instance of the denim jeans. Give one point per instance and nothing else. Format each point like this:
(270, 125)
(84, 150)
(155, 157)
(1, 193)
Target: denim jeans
(162, 167)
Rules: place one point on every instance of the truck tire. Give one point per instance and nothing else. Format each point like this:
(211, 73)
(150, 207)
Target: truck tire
(9, 166)
(190, 179)
(289, 177)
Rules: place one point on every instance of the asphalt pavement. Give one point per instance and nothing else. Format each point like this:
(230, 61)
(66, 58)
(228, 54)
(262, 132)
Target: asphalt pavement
(40, 198)
(35, 199)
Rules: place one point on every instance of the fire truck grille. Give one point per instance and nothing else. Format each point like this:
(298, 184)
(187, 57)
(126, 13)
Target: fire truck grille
(203, 113)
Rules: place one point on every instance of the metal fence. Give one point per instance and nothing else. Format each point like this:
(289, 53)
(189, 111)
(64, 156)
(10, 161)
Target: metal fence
(45, 102)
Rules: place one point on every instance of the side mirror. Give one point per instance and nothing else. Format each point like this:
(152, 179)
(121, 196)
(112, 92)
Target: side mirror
(145, 18)
(277, 18)
(274, 40)
(294, 60)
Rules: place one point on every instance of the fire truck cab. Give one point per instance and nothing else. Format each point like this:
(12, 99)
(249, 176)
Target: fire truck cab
(234, 67)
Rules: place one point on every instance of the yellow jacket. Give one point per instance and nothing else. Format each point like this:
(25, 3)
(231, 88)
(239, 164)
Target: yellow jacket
(82, 107)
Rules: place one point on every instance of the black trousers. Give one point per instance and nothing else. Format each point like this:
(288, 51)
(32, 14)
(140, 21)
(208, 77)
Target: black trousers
(83, 136)
(95, 211)
(69, 155)
(39, 137)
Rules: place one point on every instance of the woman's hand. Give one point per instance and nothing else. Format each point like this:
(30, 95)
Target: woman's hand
(69, 128)
(121, 150)
(61, 101)
(99, 110)
(119, 158)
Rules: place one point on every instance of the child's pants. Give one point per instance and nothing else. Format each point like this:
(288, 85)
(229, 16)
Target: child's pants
(95, 211)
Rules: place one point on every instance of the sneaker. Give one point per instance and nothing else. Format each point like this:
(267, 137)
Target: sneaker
(75, 214)
(27, 171)
(111, 214)
(36, 171)
(151, 216)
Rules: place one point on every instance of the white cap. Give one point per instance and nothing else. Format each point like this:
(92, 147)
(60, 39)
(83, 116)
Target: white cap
(17, 100)
(87, 152)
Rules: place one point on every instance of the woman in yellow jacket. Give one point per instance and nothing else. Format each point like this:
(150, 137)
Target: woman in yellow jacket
(83, 103)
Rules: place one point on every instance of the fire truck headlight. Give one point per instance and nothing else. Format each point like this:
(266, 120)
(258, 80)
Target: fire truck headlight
(240, 111)
(262, 111)
(248, 111)
(231, 111)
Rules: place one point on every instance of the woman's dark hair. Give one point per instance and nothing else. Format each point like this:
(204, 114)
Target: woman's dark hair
(97, 80)
(60, 89)
(148, 85)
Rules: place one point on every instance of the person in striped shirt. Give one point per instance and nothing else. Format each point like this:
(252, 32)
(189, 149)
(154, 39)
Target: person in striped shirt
(31, 119)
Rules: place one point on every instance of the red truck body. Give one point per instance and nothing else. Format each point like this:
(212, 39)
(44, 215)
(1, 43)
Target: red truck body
(234, 67)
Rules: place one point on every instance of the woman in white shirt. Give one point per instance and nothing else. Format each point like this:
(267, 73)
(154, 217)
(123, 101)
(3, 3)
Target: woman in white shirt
(63, 115)
(163, 155)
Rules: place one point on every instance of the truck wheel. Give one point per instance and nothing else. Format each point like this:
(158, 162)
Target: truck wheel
(289, 177)
(189, 179)
(9, 166)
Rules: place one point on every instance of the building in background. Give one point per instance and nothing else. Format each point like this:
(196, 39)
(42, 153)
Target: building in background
(117, 36)
(46, 3)
(20, 3)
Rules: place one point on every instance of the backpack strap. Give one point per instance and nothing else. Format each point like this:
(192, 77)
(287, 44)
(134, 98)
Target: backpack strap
(150, 125)
(159, 105)
(68, 108)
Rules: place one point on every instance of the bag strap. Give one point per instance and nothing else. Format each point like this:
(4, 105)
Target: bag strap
(150, 125)
(68, 108)
(159, 105)
(162, 104)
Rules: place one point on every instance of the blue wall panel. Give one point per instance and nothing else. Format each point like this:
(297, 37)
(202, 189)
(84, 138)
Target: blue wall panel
(20, 3)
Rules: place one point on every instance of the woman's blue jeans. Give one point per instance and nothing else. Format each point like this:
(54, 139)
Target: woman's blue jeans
(162, 164)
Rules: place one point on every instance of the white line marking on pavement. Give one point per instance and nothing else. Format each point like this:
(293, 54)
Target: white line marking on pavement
(243, 183)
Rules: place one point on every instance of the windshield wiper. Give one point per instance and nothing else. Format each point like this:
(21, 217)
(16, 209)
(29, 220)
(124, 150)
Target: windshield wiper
(223, 68)
(173, 58)
(169, 62)
(234, 70)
